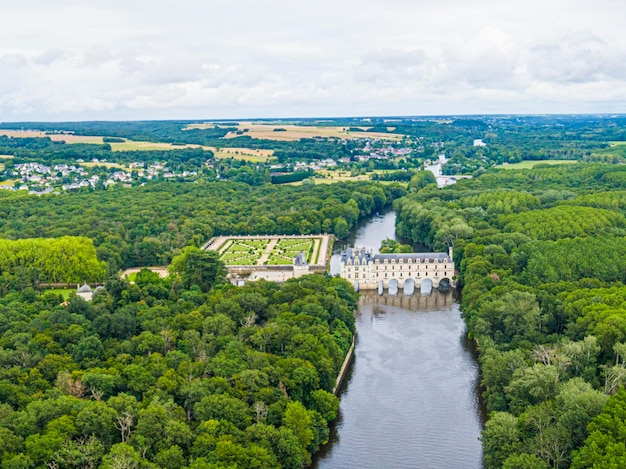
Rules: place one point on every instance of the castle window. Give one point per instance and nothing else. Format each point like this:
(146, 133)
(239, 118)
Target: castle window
(385, 274)
(445, 274)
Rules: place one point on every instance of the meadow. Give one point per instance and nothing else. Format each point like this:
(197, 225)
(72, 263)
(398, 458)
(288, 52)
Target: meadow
(529, 164)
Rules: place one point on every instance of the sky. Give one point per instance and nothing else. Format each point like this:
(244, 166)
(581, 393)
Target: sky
(66, 60)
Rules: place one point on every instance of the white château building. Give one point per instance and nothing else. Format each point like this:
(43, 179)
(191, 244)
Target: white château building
(365, 269)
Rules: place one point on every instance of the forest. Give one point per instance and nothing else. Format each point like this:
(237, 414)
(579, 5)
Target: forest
(541, 255)
(173, 373)
(190, 372)
(143, 226)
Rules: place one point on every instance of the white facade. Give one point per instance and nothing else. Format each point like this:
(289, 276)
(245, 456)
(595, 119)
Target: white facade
(367, 269)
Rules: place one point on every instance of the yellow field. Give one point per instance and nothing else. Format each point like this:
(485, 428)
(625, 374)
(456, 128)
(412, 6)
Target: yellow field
(528, 164)
(247, 154)
(128, 145)
(296, 132)
(616, 144)
(8, 182)
(6, 157)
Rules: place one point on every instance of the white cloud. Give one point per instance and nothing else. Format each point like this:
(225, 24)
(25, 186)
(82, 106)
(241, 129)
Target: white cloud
(158, 59)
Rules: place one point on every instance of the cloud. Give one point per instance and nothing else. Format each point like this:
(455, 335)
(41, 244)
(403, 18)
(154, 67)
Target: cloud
(164, 59)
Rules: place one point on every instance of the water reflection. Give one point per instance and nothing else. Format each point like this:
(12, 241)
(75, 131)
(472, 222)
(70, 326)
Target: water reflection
(410, 400)
(411, 397)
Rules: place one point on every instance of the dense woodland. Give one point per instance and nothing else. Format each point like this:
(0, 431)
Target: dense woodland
(172, 373)
(143, 226)
(542, 269)
(191, 372)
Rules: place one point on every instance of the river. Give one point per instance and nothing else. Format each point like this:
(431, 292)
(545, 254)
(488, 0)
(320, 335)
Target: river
(411, 397)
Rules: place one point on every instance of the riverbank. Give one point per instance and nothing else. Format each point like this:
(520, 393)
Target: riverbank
(345, 367)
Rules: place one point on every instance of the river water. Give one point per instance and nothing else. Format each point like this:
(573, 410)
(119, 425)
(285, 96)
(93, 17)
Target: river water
(411, 397)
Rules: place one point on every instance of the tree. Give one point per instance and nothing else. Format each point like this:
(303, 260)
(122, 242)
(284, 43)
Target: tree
(421, 179)
(198, 267)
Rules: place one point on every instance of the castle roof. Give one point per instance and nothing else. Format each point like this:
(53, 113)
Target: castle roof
(421, 256)
(84, 289)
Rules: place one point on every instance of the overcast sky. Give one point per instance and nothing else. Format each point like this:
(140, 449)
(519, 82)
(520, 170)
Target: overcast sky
(184, 59)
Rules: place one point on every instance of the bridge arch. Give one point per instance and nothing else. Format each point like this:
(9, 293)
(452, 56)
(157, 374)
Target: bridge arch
(426, 286)
(393, 286)
(409, 286)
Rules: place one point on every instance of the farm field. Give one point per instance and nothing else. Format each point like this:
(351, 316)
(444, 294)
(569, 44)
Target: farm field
(127, 145)
(292, 132)
(528, 164)
(246, 154)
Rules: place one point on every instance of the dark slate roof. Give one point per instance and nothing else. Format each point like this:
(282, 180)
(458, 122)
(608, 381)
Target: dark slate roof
(354, 253)
(422, 256)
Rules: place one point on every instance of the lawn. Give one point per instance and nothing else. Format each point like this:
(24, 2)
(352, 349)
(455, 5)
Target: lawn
(65, 292)
(528, 164)
(251, 251)
(286, 249)
(243, 251)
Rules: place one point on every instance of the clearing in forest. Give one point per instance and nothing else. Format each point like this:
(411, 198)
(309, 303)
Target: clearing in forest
(528, 164)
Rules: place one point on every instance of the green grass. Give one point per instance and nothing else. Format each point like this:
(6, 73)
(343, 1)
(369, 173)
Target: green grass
(528, 164)
(279, 260)
(132, 277)
(617, 144)
(65, 292)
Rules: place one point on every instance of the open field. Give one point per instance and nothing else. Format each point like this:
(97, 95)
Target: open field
(127, 145)
(292, 132)
(247, 154)
(9, 182)
(65, 292)
(528, 164)
(617, 144)
(6, 157)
